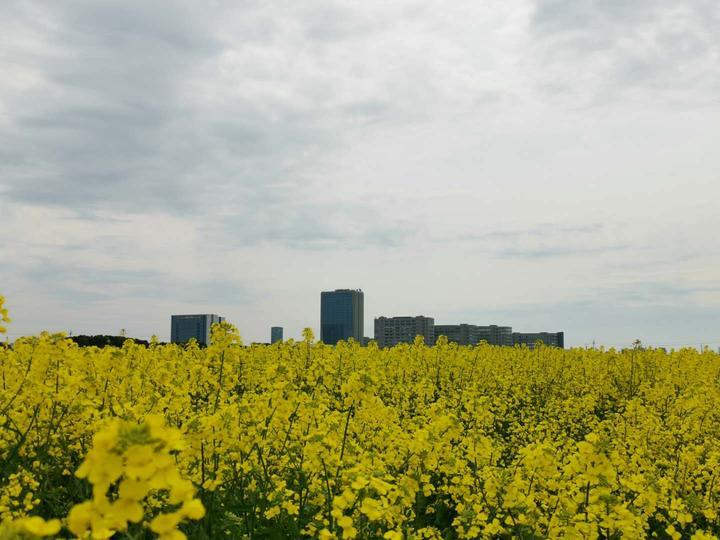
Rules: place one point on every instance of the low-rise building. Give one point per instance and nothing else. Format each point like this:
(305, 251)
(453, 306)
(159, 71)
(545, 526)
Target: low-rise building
(389, 331)
(462, 334)
(551, 339)
(496, 335)
(471, 334)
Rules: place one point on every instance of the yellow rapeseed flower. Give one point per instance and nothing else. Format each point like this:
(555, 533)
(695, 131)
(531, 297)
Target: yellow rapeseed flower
(344, 441)
(37, 526)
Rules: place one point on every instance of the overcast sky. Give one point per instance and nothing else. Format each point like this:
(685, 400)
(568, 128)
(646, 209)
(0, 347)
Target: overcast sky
(549, 164)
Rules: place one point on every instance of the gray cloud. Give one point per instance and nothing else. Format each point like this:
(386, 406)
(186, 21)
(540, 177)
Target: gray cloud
(545, 240)
(659, 293)
(308, 225)
(132, 114)
(112, 111)
(609, 50)
(556, 251)
(76, 285)
(99, 130)
(541, 230)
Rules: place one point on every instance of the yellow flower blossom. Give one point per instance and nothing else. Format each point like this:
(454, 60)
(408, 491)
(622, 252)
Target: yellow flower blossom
(273, 511)
(37, 526)
(371, 508)
(164, 523)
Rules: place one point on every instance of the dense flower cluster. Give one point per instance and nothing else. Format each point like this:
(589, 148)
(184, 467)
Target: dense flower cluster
(138, 459)
(303, 439)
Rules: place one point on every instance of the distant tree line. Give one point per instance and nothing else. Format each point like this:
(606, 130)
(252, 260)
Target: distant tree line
(105, 341)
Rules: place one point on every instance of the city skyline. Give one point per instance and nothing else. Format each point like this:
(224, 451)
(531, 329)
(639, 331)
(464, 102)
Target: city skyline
(536, 163)
(491, 333)
(341, 315)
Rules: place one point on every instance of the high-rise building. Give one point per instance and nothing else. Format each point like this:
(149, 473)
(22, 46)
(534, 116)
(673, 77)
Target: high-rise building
(551, 339)
(183, 328)
(389, 331)
(471, 334)
(341, 315)
(276, 334)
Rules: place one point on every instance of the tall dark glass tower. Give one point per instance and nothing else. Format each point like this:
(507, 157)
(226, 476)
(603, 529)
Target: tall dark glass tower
(341, 315)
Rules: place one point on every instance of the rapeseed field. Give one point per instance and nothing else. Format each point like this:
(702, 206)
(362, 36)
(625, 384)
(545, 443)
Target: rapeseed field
(301, 439)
